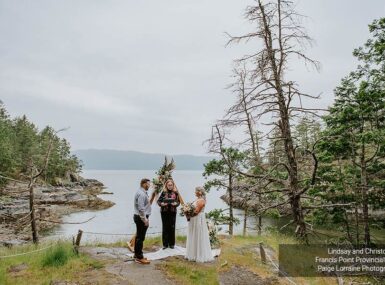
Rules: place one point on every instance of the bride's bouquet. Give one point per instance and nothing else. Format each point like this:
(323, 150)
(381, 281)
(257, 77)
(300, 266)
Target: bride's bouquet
(188, 210)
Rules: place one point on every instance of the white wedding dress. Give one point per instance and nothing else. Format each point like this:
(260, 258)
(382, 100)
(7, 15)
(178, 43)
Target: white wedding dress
(198, 246)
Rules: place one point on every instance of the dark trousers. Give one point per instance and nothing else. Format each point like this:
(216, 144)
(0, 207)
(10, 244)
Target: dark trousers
(141, 230)
(168, 228)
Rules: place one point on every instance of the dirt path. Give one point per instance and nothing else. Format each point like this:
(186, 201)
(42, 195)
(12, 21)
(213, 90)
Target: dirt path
(125, 270)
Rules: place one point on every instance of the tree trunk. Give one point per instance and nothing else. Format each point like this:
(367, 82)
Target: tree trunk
(35, 236)
(356, 213)
(295, 197)
(245, 222)
(298, 217)
(357, 218)
(348, 233)
(364, 197)
(284, 126)
(259, 217)
(231, 215)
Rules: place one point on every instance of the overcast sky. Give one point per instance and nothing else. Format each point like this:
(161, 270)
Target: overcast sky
(150, 75)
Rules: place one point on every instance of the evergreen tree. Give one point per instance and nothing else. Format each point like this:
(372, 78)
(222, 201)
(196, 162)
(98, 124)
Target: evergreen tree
(355, 127)
(225, 176)
(22, 146)
(7, 163)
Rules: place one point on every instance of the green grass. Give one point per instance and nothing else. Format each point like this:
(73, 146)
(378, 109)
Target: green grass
(58, 255)
(60, 263)
(188, 273)
(236, 251)
(56, 263)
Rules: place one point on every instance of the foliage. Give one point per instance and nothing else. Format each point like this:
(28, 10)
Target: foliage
(213, 234)
(22, 145)
(323, 172)
(219, 217)
(353, 151)
(225, 176)
(220, 168)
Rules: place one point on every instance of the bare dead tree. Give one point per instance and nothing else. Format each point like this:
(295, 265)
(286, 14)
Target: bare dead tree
(281, 35)
(239, 115)
(35, 173)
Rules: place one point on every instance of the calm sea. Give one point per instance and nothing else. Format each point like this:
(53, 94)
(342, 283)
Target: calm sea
(118, 219)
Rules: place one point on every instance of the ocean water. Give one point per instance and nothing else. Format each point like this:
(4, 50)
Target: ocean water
(117, 222)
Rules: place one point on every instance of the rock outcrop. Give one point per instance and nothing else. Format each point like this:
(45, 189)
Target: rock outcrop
(244, 197)
(51, 203)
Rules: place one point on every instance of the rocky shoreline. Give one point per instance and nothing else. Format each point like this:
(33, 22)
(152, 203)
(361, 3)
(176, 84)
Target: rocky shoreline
(51, 204)
(244, 198)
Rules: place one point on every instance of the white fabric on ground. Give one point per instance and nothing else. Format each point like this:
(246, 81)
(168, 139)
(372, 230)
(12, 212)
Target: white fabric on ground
(177, 250)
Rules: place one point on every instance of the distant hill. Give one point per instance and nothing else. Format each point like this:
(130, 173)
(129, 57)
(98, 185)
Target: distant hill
(133, 160)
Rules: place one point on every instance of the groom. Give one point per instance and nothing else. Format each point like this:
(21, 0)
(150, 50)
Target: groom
(142, 211)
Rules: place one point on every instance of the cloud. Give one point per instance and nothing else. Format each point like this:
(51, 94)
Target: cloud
(150, 75)
(33, 84)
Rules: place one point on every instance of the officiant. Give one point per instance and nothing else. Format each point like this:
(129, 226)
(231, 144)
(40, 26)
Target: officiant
(169, 200)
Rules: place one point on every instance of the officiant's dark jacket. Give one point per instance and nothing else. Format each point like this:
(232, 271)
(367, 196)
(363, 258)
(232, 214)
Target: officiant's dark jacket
(168, 197)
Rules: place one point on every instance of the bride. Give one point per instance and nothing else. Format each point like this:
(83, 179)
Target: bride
(198, 241)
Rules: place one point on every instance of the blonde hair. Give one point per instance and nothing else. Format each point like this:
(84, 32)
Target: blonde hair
(201, 190)
(165, 185)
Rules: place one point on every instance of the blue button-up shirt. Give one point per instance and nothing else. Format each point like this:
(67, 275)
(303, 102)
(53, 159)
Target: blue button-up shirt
(142, 206)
